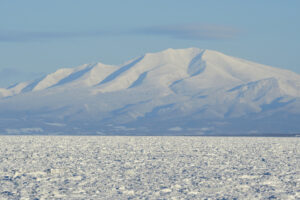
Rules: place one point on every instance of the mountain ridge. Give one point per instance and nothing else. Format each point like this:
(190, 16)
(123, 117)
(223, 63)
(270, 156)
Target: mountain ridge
(176, 91)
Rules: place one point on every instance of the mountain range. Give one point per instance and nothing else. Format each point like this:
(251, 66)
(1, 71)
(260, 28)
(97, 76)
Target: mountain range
(173, 92)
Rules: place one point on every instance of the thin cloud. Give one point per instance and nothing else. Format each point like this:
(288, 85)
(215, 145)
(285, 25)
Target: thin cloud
(23, 36)
(28, 36)
(188, 32)
(192, 32)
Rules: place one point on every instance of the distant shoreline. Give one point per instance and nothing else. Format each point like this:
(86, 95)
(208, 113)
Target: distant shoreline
(161, 135)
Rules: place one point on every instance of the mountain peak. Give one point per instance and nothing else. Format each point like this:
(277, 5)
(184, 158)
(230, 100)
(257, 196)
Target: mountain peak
(177, 52)
(191, 88)
(191, 66)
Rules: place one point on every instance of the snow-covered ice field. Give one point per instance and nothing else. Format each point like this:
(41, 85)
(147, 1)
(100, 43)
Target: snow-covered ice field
(103, 167)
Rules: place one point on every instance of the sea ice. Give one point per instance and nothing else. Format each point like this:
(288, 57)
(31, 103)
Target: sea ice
(103, 167)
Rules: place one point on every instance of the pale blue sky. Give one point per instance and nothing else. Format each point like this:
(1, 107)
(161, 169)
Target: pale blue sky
(41, 36)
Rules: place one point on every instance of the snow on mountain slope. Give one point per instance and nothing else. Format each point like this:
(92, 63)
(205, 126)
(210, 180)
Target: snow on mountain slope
(85, 75)
(194, 90)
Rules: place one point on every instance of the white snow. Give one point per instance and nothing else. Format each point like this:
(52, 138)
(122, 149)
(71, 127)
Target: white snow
(53, 78)
(191, 84)
(74, 167)
(196, 66)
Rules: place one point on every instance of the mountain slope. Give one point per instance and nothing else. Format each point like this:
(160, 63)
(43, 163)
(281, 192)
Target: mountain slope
(182, 91)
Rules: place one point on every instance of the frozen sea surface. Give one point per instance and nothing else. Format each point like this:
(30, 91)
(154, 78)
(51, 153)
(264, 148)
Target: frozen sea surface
(87, 167)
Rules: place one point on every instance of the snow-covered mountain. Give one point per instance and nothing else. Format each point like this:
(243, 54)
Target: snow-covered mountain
(176, 91)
